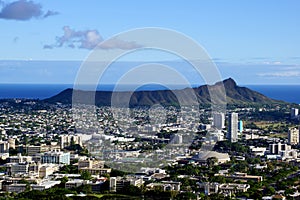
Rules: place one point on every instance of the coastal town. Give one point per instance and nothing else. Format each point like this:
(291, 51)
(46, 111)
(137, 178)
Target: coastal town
(249, 152)
(149, 100)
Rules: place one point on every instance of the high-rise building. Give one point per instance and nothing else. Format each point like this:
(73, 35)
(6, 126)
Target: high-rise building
(219, 120)
(233, 127)
(240, 126)
(294, 113)
(293, 136)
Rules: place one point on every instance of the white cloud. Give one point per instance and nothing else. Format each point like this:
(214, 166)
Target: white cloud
(116, 43)
(89, 39)
(281, 74)
(272, 62)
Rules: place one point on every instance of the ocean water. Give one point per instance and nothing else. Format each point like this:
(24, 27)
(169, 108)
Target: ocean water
(288, 93)
(30, 91)
(42, 91)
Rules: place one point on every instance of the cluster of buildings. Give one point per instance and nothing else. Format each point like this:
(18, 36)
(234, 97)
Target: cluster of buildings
(43, 142)
(227, 189)
(235, 126)
(45, 173)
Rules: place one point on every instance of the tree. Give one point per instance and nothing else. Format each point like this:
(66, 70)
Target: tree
(270, 190)
(211, 161)
(218, 179)
(64, 180)
(115, 173)
(86, 175)
(270, 167)
(13, 152)
(69, 169)
(186, 195)
(87, 189)
(131, 190)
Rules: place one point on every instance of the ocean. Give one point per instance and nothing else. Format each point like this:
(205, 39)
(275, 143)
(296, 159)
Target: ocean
(288, 93)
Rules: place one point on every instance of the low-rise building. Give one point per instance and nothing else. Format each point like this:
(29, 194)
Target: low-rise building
(22, 169)
(19, 159)
(97, 171)
(277, 148)
(4, 156)
(203, 156)
(47, 169)
(18, 188)
(97, 186)
(242, 176)
(56, 157)
(289, 154)
(74, 183)
(90, 163)
(67, 140)
(12, 169)
(32, 149)
(117, 183)
(258, 151)
(12, 143)
(165, 186)
(4, 146)
(225, 188)
(44, 185)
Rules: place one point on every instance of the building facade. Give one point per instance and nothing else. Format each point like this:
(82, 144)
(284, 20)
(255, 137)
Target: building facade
(56, 157)
(4, 146)
(219, 120)
(117, 183)
(293, 136)
(294, 113)
(277, 148)
(233, 127)
(67, 140)
(240, 126)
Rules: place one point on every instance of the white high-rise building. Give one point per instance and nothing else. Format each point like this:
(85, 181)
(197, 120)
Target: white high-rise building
(293, 136)
(294, 113)
(219, 120)
(233, 127)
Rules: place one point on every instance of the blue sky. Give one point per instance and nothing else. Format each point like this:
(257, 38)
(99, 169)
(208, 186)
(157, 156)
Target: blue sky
(255, 42)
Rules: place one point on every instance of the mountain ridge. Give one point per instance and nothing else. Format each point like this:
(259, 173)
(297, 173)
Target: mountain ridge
(234, 95)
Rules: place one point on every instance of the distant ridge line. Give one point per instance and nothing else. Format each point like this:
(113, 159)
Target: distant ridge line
(234, 95)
